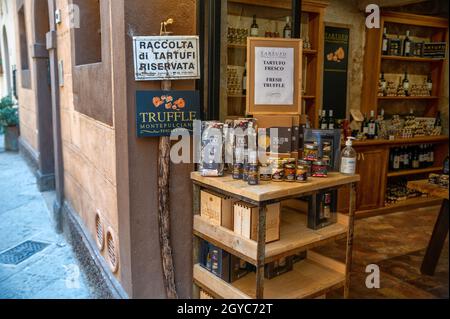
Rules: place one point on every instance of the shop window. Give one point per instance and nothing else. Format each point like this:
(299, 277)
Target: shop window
(23, 40)
(88, 37)
(225, 29)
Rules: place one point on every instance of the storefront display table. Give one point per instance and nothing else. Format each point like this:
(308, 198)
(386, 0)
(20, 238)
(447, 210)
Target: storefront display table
(440, 228)
(311, 277)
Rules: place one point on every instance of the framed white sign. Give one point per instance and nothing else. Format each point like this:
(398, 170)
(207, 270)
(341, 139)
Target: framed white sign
(166, 58)
(274, 76)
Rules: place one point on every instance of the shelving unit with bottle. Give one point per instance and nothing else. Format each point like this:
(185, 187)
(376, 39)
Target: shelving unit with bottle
(273, 19)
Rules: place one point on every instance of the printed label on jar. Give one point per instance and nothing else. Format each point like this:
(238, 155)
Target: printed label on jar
(348, 165)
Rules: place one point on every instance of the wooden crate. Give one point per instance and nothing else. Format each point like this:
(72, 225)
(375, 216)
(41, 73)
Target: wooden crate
(246, 221)
(217, 209)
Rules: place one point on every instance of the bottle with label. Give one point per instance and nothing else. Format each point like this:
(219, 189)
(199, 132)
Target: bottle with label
(244, 80)
(415, 159)
(372, 126)
(430, 85)
(405, 84)
(407, 45)
(446, 166)
(287, 31)
(385, 45)
(396, 160)
(331, 121)
(383, 84)
(324, 121)
(438, 122)
(348, 158)
(254, 29)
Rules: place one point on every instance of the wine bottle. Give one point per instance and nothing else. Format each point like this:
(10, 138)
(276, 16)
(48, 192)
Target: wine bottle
(385, 46)
(365, 126)
(324, 121)
(407, 45)
(331, 121)
(254, 29)
(405, 84)
(372, 126)
(438, 122)
(383, 84)
(446, 166)
(415, 159)
(396, 163)
(430, 85)
(287, 31)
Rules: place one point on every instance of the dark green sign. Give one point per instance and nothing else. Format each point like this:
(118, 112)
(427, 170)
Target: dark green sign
(336, 70)
(158, 113)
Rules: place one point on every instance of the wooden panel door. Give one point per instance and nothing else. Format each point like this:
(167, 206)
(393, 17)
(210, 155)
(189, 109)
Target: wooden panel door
(372, 166)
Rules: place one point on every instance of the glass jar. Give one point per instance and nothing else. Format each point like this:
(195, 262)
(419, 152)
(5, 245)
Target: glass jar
(303, 168)
(289, 172)
(265, 173)
(278, 171)
(253, 174)
(320, 169)
(311, 152)
(238, 170)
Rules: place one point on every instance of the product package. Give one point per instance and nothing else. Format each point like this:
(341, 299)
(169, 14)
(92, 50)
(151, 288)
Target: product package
(322, 209)
(279, 267)
(212, 154)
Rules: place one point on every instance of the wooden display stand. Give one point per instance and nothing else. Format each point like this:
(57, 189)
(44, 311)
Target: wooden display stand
(312, 277)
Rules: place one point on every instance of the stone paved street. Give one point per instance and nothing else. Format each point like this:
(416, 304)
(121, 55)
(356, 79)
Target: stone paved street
(53, 272)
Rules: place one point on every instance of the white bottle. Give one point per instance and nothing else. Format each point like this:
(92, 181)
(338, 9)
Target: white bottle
(348, 158)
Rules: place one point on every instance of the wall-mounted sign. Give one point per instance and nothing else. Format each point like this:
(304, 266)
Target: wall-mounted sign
(160, 112)
(274, 77)
(166, 58)
(336, 70)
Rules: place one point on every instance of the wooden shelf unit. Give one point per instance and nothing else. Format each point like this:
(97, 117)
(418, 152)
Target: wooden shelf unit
(311, 277)
(375, 62)
(313, 58)
(373, 168)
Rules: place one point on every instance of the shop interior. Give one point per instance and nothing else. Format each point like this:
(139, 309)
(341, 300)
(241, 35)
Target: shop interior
(356, 177)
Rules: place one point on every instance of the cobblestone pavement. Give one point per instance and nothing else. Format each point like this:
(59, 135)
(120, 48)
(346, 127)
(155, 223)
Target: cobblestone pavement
(51, 273)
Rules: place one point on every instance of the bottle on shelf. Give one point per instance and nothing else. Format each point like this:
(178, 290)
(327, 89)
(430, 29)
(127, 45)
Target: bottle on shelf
(407, 45)
(396, 160)
(331, 120)
(244, 80)
(406, 158)
(348, 158)
(445, 171)
(383, 84)
(365, 126)
(421, 157)
(372, 126)
(438, 122)
(254, 29)
(385, 45)
(324, 121)
(430, 85)
(287, 31)
(415, 159)
(405, 84)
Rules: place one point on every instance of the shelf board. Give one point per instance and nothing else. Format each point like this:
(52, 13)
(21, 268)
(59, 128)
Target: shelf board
(311, 277)
(403, 141)
(295, 236)
(414, 171)
(237, 96)
(410, 59)
(408, 97)
(237, 46)
(309, 52)
(270, 191)
(308, 97)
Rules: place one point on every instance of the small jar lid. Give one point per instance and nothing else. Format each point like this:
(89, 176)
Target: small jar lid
(320, 163)
(303, 162)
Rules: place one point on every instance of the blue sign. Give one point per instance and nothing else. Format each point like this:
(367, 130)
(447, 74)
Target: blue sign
(160, 112)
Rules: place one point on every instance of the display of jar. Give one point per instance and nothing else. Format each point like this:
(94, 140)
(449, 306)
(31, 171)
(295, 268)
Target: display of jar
(320, 168)
(311, 152)
(289, 172)
(238, 170)
(278, 170)
(253, 174)
(303, 170)
(265, 173)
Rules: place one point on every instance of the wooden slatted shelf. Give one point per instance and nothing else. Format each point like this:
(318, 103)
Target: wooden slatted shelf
(410, 59)
(310, 278)
(408, 97)
(295, 236)
(415, 171)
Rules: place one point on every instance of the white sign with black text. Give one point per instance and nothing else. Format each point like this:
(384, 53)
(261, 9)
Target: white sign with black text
(274, 76)
(166, 58)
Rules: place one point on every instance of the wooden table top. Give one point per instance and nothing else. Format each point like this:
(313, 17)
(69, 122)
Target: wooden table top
(424, 187)
(273, 190)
